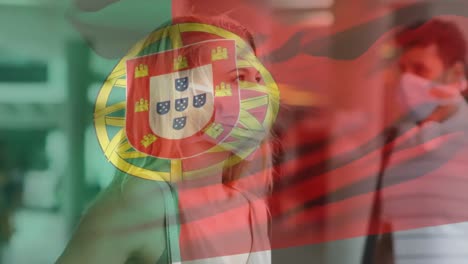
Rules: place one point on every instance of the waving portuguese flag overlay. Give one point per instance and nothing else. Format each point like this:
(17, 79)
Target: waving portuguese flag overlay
(336, 175)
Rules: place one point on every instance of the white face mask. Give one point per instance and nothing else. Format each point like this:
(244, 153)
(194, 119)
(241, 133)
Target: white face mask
(419, 94)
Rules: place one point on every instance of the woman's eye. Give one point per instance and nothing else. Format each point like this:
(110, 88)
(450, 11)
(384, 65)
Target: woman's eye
(240, 77)
(237, 78)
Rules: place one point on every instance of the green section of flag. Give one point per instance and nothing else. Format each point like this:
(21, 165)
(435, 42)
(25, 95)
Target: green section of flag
(111, 31)
(142, 15)
(114, 29)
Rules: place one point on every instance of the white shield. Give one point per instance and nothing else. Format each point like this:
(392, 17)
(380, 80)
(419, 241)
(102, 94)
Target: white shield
(178, 111)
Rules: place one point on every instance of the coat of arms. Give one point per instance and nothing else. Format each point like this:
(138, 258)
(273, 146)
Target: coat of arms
(186, 106)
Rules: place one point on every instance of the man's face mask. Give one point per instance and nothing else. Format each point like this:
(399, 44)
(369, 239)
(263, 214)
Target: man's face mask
(422, 96)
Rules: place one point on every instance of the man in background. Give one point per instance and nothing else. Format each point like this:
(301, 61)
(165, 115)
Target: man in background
(430, 80)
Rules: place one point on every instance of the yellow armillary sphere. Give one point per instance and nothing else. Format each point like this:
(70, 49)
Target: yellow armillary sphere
(156, 83)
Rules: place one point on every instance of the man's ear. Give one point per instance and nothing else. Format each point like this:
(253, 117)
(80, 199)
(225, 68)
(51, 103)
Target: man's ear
(456, 73)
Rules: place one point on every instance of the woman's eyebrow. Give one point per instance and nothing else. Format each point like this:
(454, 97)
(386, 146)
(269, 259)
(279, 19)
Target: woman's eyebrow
(237, 69)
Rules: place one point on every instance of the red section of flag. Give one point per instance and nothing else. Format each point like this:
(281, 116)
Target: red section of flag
(325, 185)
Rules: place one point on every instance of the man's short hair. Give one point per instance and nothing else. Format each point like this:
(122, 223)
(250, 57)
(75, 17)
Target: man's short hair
(445, 35)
